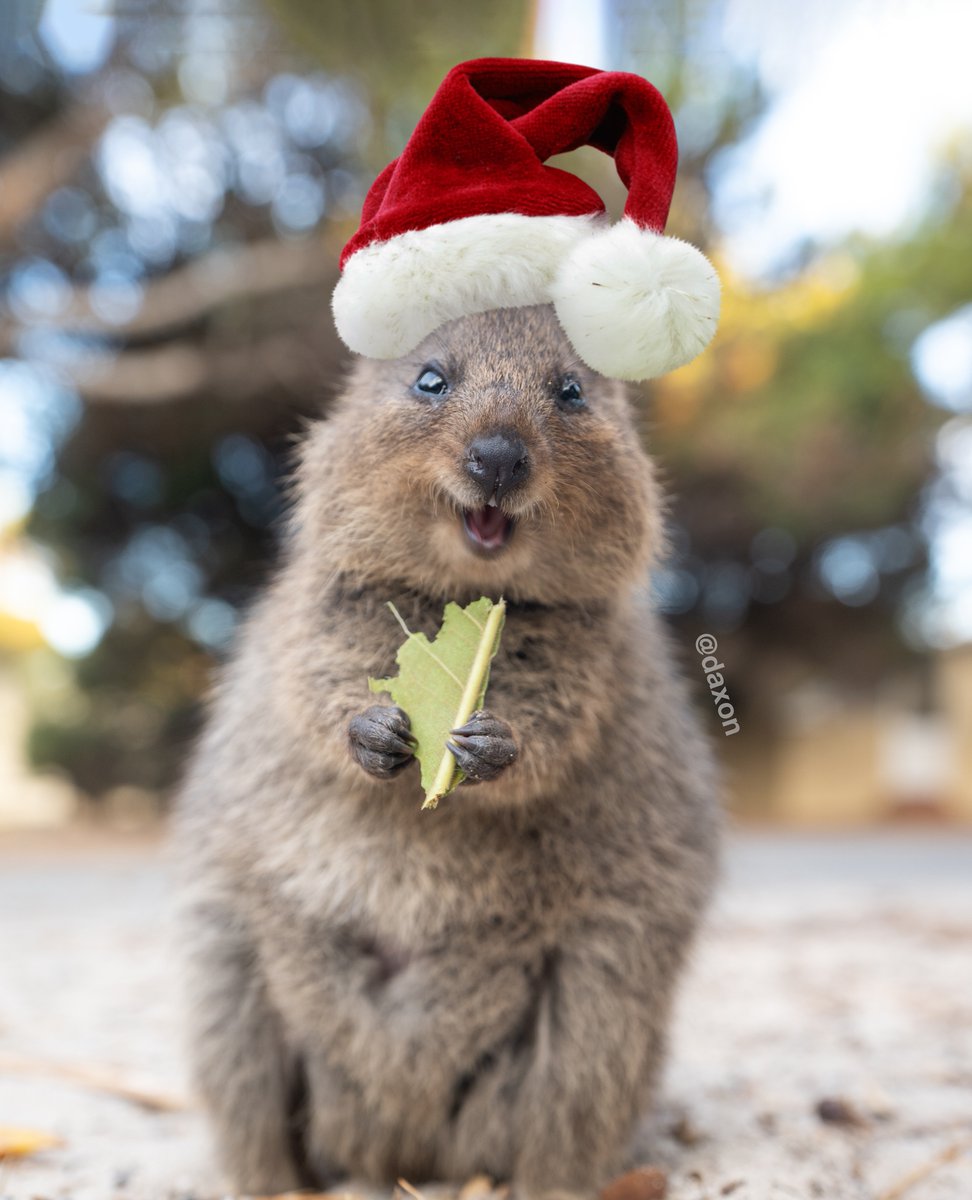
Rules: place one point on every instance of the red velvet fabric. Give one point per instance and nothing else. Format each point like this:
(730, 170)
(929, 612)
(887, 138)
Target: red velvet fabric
(481, 145)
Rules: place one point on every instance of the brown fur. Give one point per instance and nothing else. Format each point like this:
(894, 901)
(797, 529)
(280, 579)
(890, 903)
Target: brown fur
(378, 991)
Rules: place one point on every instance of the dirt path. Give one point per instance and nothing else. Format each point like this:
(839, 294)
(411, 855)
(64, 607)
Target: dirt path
(835, 970)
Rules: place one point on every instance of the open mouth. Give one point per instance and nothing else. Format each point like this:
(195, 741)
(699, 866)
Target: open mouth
(488, 528)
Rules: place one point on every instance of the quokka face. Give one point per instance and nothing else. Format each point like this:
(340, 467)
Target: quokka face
(489, 461)
(379, 992)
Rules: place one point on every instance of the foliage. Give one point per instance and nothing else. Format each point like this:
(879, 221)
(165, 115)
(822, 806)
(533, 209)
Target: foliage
(441, 683)
(16, 1142)
(176, 333)
(399, 52)
(803, 435)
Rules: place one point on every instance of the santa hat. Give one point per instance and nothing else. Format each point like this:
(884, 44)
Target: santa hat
(468, 218)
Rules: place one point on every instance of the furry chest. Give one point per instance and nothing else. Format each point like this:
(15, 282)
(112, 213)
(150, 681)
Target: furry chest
(406, 892)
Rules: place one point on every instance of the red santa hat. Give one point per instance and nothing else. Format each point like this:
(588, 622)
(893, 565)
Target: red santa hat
(469, 218)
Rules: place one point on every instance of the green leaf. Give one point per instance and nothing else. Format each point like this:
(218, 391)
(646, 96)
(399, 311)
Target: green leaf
(441, 683)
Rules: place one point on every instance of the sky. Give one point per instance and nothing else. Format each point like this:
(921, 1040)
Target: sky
(864, 94)
(867, 95)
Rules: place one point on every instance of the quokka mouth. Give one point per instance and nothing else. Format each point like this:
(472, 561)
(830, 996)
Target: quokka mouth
(488, 529)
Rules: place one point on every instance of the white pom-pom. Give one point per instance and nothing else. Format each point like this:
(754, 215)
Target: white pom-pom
(393, 294)
(636, 304)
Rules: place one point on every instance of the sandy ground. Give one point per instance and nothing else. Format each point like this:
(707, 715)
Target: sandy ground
(833, 969)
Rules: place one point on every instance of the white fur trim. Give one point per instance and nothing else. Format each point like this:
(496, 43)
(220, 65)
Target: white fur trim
(635, 303)
(392, 295)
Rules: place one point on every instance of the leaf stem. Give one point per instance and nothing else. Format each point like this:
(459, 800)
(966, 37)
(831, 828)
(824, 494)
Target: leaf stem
(399, 618)
(471, 693)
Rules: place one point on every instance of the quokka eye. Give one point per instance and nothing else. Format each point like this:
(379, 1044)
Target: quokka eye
(570, 395)
(431, 382)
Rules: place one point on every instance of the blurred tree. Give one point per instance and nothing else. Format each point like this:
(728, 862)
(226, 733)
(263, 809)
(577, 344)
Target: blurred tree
(160, 263)
(399, 51)
(169, 228)
(796, 450)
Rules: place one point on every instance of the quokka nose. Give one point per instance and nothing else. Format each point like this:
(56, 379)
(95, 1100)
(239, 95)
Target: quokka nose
(497, 462)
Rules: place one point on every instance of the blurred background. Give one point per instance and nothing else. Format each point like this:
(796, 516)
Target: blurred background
(176, 180)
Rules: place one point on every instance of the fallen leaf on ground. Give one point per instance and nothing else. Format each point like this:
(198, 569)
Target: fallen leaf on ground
(97, 1079)
(929, 1167)
(441, 683)
(643, 1183)
(19, 1143)
(479, 1185)
(412, 1191)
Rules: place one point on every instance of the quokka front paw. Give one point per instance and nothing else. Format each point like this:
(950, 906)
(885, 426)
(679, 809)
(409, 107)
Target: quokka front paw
(483, 747)
(381, 740)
